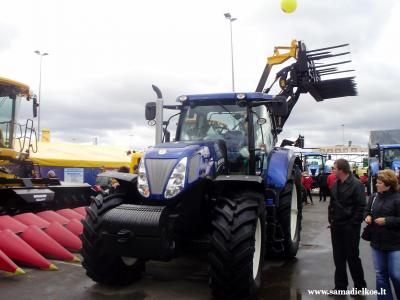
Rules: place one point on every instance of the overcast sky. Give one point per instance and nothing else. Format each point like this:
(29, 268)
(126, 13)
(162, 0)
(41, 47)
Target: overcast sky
(104, 56)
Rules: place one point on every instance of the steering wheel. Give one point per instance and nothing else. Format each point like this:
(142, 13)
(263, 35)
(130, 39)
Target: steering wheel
(218, 127)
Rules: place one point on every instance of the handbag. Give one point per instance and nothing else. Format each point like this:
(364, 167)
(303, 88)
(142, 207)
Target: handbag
(367, 232)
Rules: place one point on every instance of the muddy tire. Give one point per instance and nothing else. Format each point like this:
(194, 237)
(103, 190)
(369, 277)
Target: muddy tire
(237, 246)
(101, 266)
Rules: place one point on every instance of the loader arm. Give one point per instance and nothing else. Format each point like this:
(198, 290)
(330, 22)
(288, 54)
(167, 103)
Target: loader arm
(306, 76)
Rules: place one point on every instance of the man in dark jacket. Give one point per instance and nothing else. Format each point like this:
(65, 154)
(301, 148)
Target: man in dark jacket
(323, 185)
(346, 213)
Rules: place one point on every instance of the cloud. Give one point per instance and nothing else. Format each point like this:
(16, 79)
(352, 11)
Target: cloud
(104, 58)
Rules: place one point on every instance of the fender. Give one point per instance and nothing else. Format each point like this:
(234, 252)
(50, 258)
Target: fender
(127, 181)
(280, 164)
(124, 177)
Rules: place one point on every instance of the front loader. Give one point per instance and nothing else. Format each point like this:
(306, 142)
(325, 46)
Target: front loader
(20, 190)
(221, 184)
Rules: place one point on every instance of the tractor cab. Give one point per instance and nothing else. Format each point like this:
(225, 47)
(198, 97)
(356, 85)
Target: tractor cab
(15, 139)
(239, 124)
(391, 158)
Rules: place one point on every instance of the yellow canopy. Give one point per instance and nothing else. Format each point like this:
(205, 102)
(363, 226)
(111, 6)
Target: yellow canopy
(76, 155)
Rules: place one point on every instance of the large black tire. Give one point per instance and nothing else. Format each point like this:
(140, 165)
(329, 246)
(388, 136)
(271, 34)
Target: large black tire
(238, 245)
(103, 267)
(289, 216)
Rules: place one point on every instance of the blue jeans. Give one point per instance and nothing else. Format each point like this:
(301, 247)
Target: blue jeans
(387, 266)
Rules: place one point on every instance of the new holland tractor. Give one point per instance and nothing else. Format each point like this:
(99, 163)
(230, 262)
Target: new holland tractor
(221, 184)
(313, 164)
(384, 153)
(20, 190)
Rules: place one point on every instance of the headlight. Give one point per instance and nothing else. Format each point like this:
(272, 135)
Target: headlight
(177, 180)
(143, 184)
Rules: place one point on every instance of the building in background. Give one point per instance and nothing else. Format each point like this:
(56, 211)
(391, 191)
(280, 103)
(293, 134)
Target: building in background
(343, 149)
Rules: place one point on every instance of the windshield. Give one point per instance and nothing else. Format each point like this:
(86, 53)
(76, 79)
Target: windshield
(213, 122)
(219, 122)
(313, 160)
(391, 155)
(7, 120)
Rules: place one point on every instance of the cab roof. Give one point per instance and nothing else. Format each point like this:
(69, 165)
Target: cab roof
(226, 97)
(10, 87)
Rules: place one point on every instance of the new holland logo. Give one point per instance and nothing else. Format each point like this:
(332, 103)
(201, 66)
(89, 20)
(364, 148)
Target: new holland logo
(162, 151)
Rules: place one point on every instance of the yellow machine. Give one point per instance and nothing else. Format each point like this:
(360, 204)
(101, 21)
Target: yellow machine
(136, 156)
(16, 140)
(20, 190)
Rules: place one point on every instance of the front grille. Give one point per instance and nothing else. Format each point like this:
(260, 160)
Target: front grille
(158, 172)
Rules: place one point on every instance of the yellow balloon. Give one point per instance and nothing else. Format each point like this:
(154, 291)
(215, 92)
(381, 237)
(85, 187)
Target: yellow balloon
(288, 6)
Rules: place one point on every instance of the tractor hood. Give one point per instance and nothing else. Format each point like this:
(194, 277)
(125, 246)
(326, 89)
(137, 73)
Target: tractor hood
(173, 150)
(163, 160)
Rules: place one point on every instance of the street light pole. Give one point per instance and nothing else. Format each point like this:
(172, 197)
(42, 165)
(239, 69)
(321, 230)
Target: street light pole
(343, 133)
(229, 17)
(40, 87)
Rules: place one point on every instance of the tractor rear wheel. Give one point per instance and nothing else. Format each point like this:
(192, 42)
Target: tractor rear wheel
(237, 245)
(289, 216)
(102, 266)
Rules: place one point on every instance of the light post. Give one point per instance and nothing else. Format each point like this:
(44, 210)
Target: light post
(343, 133)
(230, 19)
(40, 87)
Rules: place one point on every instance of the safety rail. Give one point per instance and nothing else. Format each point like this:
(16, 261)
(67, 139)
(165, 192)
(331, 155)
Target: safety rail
(27, 138)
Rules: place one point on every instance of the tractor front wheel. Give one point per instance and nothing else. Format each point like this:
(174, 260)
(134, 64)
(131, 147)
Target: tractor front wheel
(101, 266)
(238, 245)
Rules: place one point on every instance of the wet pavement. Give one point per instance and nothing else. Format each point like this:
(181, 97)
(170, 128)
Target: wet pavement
(187, 278)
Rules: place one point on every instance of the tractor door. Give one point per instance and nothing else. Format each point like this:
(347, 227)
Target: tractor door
(264, 139)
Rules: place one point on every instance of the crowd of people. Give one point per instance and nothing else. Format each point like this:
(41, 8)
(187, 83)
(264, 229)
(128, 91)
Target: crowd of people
(324, 181)
(348, 209)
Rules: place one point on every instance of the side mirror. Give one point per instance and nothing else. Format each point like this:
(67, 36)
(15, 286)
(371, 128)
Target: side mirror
(35, 107)
(279, 106)
(150, 111)
(329, 157)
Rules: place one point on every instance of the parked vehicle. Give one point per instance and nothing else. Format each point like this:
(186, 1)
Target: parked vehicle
(221, 185)
(21, 190)
(384, 153)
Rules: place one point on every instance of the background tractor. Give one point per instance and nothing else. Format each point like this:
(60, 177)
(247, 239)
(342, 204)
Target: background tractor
(313, 164)
(20, 190)
(384, 153)
(221, 184)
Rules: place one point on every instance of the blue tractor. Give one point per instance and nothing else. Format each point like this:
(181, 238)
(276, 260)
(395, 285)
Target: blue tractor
(384, 153)
(221, 185)
(313, 164)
